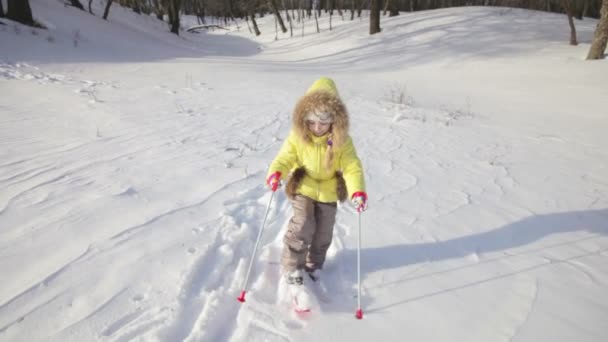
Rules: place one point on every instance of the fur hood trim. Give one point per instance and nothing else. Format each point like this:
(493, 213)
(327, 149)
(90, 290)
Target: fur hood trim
(326, 102)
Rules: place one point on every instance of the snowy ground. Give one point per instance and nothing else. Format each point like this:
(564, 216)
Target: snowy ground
(132, 165)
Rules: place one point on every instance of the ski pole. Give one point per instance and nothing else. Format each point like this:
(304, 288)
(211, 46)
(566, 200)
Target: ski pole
(241, 298)
(359, 313)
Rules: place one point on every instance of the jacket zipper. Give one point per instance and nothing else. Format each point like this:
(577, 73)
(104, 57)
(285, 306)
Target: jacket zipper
(319, 171)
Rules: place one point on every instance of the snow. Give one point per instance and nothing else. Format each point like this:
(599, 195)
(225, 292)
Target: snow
(132, 165)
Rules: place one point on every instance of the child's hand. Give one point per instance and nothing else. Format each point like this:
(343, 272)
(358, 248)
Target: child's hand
(359, 199)
(274, 181)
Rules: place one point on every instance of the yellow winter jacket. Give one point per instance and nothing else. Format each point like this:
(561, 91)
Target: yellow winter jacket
(319, 183)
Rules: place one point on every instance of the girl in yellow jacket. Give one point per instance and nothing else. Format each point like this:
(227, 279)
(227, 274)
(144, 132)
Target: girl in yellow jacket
(321, 162)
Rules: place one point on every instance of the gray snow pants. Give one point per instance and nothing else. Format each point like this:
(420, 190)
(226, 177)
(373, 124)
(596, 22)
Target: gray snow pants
(308, 235)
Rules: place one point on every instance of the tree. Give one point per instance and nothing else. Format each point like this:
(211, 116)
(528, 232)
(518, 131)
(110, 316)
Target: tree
(158, 7)
(1, 10)
(330, 6)
(277, 14)
(173, 7)
(199, 10)
(251, 14)
(288, 18)
(412, 5)
(77, 4)
(579, 9)
(316, 13)
(601, 35)
(393, 8)
(374, 17)
(107, 9)
(20, 11)
(569, 7)
(361, 5)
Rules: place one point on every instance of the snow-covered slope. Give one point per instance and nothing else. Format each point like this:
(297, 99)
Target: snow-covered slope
(132, 165)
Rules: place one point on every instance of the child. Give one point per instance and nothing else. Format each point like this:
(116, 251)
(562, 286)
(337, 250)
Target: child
(324, 167)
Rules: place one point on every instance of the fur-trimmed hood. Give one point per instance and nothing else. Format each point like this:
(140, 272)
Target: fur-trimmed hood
(326, 168)
(323, 97)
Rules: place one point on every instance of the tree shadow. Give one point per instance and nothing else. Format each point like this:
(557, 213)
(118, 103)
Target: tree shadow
(450, 36)
(126, 37)
(138, 49)
(513, 235)
(519, 233)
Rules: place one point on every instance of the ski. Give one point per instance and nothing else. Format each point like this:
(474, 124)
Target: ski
(298, 308)
(301, 300)
(301, 293)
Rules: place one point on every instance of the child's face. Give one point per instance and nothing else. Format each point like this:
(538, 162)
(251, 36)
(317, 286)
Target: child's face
(318, 128)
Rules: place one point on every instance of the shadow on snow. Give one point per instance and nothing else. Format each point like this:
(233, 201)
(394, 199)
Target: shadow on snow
(513, 235)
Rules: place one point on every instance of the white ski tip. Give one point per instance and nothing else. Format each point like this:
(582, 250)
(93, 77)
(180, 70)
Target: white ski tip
(301, 303)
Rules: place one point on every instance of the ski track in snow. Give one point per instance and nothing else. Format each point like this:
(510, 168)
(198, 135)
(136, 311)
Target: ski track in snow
(206, 306)
(208, 303)
(208, 300)
(257, 320)
(202, 297)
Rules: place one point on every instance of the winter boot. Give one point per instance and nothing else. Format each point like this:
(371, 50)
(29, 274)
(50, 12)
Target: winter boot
(299, 293)
(295, 278)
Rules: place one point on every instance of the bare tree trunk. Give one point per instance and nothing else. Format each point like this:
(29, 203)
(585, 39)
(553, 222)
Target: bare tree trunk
(331, 12)
(77, 4)
(303, 19)
(601, 35)
(20, 11)
(230, 10)
(251, 12)
(579, 8)
(393, 8)
(228, 13)
(277, 14)
(317, 21)
(173, 7)
(199, 9)
(585, 9)
(174, 11)
(276, 29)
(137, 6)
(569, 7)
(107, 10)
(158, 7)
(300, 12)
(247, 21)
(1, 10)
(361, 5)
(374, 17)
(288, 18)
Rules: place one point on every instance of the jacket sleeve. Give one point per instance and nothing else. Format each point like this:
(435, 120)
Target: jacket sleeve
(286, 159)
(352, 170)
